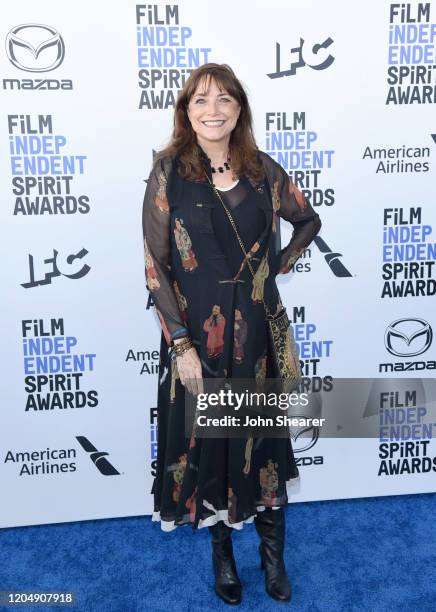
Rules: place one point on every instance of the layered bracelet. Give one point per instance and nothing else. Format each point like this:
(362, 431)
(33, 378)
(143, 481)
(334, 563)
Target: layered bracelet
(182, 346)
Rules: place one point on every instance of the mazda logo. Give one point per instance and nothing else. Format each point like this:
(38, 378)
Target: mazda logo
(300, 442)
(304, 438)
(35, 47)
(408, 337)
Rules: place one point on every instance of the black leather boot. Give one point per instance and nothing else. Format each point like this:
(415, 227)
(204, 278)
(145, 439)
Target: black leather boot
(227, 583)
(270, 525)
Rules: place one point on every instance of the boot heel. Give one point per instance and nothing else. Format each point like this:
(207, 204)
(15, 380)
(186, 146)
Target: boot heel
(262, 564)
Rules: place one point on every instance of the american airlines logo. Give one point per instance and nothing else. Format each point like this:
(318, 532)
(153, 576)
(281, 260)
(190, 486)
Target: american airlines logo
(34, 47)
(332, 258)
(99, 458)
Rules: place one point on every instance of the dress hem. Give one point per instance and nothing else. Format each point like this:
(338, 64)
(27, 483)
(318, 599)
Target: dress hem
(219, 515)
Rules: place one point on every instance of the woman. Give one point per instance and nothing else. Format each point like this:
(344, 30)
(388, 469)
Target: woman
(213, 318)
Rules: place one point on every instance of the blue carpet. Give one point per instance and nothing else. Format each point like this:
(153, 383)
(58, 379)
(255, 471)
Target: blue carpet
(369, 555)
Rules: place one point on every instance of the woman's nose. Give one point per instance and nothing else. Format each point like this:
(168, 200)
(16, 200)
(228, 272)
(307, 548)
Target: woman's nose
(212, 106)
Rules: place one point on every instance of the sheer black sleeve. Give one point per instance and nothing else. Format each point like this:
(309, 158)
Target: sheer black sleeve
(290, 204)
(156, 235)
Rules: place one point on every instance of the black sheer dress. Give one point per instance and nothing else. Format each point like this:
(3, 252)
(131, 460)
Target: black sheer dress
(201, 285)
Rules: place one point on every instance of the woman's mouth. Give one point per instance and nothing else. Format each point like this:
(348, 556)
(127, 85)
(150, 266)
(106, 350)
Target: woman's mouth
(215, 123)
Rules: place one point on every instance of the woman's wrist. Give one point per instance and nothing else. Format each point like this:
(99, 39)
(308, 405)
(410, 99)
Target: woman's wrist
(181, 345)
(179, 340)
(179, 333)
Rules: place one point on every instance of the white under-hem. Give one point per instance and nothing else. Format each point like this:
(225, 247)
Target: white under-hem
(220, 515)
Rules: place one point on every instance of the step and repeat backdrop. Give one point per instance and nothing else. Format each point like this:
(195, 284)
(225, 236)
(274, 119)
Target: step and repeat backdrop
(344, 98)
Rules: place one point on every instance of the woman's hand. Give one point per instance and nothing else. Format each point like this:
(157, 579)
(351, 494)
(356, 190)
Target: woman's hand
(189, 368)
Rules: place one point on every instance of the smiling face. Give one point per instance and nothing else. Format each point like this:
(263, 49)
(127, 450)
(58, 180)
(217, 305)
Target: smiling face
(213, 113)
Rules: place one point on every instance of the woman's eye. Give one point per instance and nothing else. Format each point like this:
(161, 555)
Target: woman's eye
(202, 100)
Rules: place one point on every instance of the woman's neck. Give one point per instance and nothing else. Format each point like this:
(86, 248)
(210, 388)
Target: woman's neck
(217, 152)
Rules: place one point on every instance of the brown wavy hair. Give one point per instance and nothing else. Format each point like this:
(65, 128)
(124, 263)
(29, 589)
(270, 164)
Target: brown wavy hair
(242, 145)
